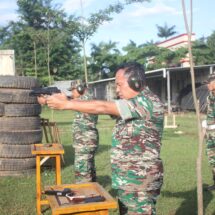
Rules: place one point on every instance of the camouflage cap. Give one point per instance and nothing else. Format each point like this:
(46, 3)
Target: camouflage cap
(211, 77)
(75, 84)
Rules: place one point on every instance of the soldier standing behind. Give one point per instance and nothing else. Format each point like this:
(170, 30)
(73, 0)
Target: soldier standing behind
(137, 170)
(210, 127)
(85, 136)
(85, 133)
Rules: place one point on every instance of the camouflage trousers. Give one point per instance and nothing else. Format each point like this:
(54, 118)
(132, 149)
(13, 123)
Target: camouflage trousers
(137, 202)
(84, 164)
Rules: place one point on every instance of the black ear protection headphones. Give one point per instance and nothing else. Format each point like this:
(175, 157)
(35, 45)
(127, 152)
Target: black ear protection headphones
(135, 74)
(80, 88)
(136, 81)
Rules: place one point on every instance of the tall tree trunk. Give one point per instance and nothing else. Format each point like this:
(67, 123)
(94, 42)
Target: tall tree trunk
(48, 49)
(85, 62)
(48, 57)
(35, 60)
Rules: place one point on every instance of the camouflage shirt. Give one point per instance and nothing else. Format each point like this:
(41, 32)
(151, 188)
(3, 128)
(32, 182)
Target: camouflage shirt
(84, 125)
(136, 142)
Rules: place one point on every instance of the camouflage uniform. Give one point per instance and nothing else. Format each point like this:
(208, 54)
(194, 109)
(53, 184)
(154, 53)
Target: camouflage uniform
(137, 170)
(210, 134)
(85, 142)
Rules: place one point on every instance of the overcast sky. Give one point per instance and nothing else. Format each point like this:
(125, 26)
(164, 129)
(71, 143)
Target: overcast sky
(137, 22)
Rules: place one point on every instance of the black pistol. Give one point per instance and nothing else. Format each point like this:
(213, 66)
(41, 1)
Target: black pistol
(64, 192)
(44, 91)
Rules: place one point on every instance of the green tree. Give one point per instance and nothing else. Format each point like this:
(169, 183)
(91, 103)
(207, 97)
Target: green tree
(45, 41)
(165, 31)
(202, 53)
(41, 37)
(131, 51)
(178, 55)
(104, 59)
(152, 56)
(141, 53)
(211, 46)
(49, 24)
(86, 27)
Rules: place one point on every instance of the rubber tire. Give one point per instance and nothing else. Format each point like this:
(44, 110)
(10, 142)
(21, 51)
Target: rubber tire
(22, 110)
(19, 123)
(8, 95)
(18, 173)
(1, 109)
(15, 151)
(15, 164)
(21, 137)
(20, 82)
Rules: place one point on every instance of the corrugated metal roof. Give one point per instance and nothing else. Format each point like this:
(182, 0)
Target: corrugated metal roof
(161, 71)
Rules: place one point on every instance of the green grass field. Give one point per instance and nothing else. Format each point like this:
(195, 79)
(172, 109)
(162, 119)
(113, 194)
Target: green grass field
(179, 153)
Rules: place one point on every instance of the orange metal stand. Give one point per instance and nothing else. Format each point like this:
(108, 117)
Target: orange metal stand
(42, 151)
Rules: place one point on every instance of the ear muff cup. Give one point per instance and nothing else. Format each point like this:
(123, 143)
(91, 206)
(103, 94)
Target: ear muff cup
(80, 88)
(135, 83)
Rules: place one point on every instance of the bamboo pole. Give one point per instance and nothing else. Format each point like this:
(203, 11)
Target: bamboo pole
(84, 46)
(200, 134)
(35, 60)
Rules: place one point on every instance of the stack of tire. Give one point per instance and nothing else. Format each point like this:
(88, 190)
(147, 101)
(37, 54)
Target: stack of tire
(20, 125)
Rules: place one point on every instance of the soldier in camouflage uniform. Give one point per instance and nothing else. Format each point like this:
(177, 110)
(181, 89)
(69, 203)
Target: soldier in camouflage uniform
(210, 129)
(85, 133)
(137, 170)
(85, 136)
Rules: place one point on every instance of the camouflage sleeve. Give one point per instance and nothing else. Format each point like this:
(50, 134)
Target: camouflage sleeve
(133, 108)
(123, 109)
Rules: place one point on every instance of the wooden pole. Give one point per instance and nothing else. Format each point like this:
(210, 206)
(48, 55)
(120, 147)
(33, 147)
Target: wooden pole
(200, 135)
(168, 93)
(35, 59)
(84, 46)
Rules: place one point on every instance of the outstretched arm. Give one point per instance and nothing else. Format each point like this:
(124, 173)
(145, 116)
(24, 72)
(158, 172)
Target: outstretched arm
(91, 107)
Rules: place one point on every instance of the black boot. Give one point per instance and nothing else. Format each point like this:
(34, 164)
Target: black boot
(94, 176)
(211, 187)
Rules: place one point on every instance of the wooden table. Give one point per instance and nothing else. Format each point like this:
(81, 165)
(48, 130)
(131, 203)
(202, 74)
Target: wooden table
(44, 151)
(62, 205)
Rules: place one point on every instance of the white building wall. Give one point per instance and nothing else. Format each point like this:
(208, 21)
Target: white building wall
(177, 42)
(7, 62)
